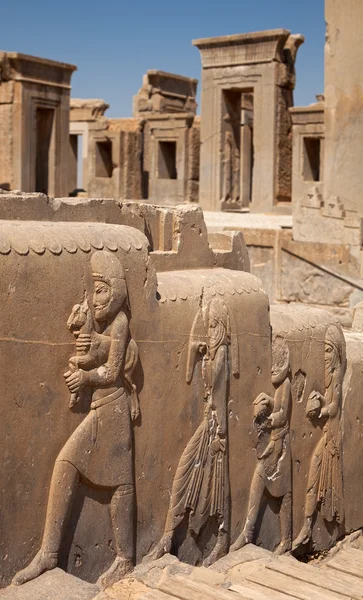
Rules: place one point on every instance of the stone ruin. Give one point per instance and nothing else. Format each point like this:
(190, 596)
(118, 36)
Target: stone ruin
(251, 438)
(156, 399)
(34, 123)
(250, 150)
(153, 156)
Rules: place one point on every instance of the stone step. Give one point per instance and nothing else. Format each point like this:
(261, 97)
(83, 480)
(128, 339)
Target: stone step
(340, 583)
(248, 574)
(258, 592)
(283, 582)
(184, 588)
(53, 585)
(349, 561)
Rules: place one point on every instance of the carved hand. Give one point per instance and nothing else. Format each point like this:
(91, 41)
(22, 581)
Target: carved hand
(194, 349)
(263, 399)
(217, 445)
(314, 404)
(316, 395)
(75, 380)
(262, 404)
(73, 363)
(324, 412)
(276, 419)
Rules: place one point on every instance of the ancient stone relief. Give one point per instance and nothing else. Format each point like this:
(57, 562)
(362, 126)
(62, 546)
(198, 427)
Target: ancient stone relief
(273, 470)
(201, 486)
(231, 171)
(99, 452)
(325, 480)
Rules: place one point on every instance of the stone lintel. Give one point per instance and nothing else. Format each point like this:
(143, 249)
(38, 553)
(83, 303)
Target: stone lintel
(257, 47)
(169, 85)
(160, 75)
(88, 109)
(303, 115)
(182, 116)
(163, 92)
(33, 69)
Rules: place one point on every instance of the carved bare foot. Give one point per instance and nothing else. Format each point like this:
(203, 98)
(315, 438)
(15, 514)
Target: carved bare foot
(283, 547)
(219, 550)
(243, 539)
(119, 568)
(163, 547)
(304, 536)
(42, 561)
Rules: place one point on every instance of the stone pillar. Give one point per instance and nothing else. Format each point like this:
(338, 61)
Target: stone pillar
(343, 172)
(246, 155)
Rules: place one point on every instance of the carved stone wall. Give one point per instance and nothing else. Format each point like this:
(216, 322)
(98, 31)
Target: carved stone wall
(45, 267)
(237, 422)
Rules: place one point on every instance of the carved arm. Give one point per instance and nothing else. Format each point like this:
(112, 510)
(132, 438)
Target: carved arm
(279, 418)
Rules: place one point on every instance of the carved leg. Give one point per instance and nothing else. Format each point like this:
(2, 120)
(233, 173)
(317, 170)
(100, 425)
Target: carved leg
(221, 547)
(311, 497)
(166, 542)
(63, 486)
(122, 518)
(285, 525)
(223, 539)
(254, 503)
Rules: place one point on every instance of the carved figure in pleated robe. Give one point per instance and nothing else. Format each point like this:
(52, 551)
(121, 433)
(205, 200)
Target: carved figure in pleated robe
(201, 484)
(325, 480)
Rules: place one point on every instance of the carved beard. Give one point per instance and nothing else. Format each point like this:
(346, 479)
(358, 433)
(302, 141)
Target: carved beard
(105, 312)
(331, 365)
(217, 338)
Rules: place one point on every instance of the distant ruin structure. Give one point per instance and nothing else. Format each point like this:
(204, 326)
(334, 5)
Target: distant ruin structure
(34, 123)
(154, 155)
(167, 105)
(247, 90)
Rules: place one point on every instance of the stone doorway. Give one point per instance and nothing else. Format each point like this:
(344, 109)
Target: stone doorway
(44, 134)
(238, 149)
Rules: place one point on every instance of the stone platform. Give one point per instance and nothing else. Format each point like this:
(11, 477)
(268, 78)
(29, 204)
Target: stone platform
(252, 573)
(54, 585)
(221, 221)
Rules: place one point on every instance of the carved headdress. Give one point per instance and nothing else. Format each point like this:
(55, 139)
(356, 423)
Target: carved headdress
(214, 315)
(280, 358)
(336, 361)
(106, 267)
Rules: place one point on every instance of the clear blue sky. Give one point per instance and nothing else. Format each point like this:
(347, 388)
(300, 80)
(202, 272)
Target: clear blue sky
(113, 43)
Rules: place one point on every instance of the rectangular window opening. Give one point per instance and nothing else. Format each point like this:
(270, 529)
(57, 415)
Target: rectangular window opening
(167, 160)
(104, 166)
(311, 167)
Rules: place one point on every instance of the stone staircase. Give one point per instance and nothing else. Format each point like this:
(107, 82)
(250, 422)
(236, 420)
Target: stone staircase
(252, 573)
(249, 574)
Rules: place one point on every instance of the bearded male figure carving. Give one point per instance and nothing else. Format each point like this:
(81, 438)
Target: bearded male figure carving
(99, 452)
(201, 483)
(273, 470)
(325, 481)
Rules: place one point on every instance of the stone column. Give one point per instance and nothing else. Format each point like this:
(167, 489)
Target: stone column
(246, 157)
(343, 172)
